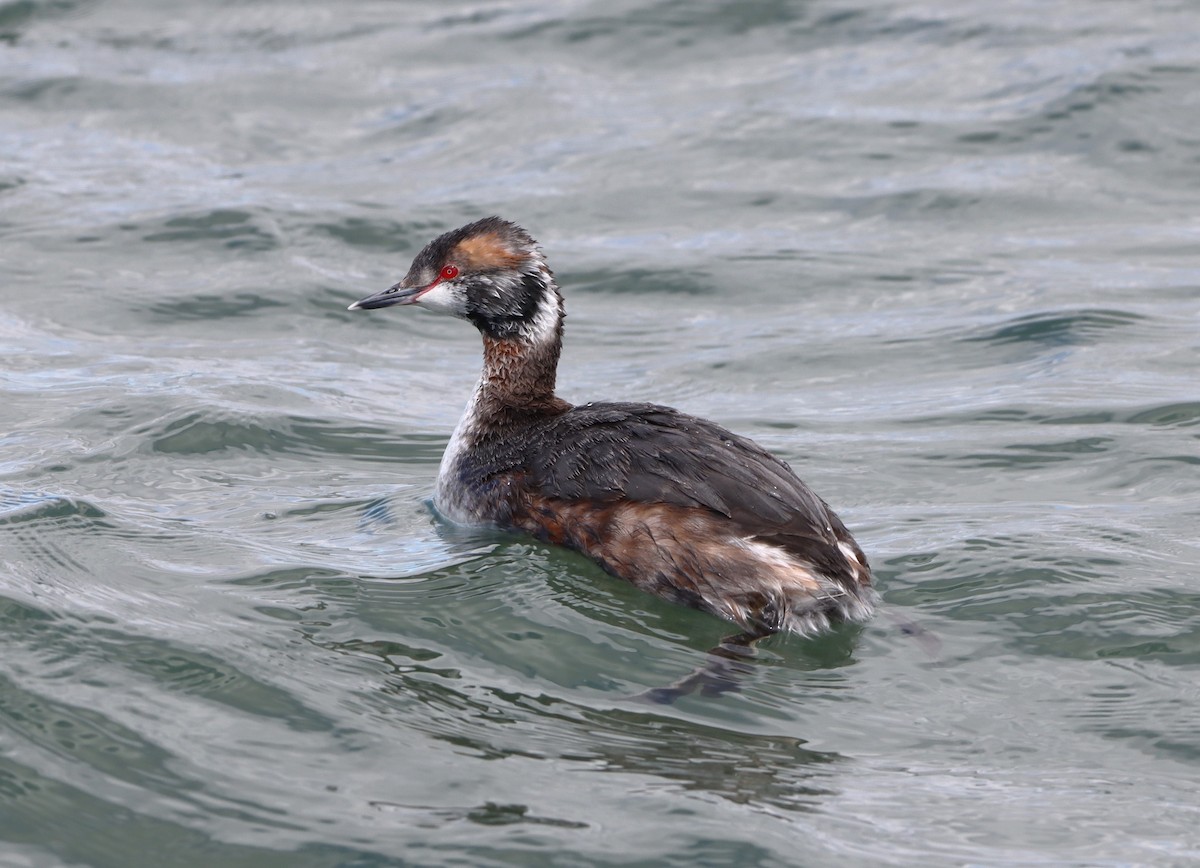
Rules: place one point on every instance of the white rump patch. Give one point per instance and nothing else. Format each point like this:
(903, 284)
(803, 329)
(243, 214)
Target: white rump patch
(852, 558)
(807, 593)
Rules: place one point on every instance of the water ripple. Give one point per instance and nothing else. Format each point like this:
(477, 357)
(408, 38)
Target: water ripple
(1053, 329)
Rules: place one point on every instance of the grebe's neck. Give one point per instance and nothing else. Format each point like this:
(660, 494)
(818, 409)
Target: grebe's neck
(520, 364)
(518, 375)
(515, 390)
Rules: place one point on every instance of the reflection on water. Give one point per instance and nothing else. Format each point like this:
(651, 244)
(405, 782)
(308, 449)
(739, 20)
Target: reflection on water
(493, 724)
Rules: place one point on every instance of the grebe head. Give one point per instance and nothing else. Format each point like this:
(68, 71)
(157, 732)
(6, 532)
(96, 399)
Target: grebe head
(490, 272)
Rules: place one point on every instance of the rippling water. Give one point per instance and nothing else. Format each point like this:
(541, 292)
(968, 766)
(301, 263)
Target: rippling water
(940, 256)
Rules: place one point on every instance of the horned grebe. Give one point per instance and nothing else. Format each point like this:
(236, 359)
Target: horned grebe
(675, 504)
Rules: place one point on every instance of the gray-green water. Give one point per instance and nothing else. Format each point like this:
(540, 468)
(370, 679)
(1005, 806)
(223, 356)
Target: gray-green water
(941, 256)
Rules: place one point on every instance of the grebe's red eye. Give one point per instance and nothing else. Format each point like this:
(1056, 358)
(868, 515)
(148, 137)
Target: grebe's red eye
(449, 272)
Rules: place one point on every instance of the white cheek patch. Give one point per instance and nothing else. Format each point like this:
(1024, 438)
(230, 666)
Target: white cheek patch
(444, 298)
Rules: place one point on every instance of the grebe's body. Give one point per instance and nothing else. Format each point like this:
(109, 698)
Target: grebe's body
(675, 504)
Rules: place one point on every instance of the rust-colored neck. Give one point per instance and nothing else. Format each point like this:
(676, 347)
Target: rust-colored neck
(518, 381)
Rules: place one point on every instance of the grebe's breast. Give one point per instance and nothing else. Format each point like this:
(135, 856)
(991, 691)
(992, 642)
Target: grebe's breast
(461, 493)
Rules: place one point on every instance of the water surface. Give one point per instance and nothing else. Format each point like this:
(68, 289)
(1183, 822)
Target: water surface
(941, 257)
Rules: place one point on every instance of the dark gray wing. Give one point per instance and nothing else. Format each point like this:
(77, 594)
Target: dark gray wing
(652, 454)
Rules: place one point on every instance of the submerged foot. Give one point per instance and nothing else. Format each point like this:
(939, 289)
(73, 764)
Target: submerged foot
(723, 671)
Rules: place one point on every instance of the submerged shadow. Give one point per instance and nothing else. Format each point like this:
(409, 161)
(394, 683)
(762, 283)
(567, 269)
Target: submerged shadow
(488, 722)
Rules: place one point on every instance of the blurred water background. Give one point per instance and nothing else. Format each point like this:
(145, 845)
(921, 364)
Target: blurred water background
(941, 256)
